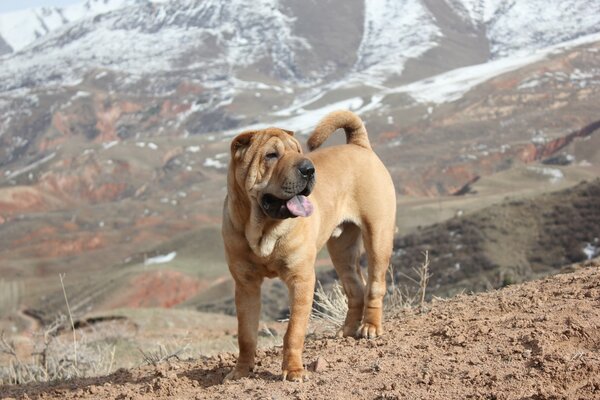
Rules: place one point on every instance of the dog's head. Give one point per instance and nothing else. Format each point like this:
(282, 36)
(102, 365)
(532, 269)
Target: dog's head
(270, 167)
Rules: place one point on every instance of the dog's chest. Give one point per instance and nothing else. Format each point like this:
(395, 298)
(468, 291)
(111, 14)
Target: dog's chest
(266, 267)
(267, 270)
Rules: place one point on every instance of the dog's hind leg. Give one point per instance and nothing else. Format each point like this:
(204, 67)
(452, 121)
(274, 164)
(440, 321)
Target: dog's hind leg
(378, 240)
(344, 251)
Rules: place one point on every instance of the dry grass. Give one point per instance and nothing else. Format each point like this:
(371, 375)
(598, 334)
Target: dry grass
(330, 306)
(424, 275)
(52, 356)
(10, 292)
(162, 354)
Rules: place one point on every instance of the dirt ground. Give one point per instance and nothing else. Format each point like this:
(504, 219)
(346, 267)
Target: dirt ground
(538, 340)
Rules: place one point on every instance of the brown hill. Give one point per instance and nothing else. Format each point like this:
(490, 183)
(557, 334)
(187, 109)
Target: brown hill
(537, 340)
(515, 240)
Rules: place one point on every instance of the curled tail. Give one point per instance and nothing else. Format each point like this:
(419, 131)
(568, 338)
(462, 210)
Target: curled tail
(352, 124)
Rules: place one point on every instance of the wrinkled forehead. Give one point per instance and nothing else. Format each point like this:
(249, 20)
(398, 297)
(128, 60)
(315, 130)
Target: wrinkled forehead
(275, 138)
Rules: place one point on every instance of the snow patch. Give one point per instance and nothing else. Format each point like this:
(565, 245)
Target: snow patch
(14, 174)
(150, 145)
(554, 174)
(452, 85)
(108, 145)
(591, 250)
(529, 84)
(306, 120)
(161, 259)
(214, 163)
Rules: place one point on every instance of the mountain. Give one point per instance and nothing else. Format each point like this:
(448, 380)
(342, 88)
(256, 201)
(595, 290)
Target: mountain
(272, 49)
(116, 117)
(381, 35)
(20, 28)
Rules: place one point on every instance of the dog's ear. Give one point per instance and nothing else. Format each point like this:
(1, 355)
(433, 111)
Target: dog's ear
(291, 133)
(241, 142)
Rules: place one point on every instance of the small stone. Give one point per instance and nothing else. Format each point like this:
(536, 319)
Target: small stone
(319, 365)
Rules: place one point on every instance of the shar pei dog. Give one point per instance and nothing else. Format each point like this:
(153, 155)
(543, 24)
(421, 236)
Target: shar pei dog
(283, 206)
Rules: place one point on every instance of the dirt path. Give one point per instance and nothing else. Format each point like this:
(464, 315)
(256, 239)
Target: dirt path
(539, 340)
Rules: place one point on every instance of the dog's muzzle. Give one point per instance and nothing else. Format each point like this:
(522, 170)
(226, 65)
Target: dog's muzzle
(295, 202)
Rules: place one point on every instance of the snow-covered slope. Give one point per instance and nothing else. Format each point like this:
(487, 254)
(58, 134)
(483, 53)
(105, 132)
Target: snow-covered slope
(264, 60)
(20, 28)
(394, 31)
(221, 37)
(515, 25)
(159, 37)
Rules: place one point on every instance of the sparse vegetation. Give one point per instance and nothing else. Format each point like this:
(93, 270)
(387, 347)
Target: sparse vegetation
(330, 306)
(54, 357)
(475, 346)
(424, 275)
(470, 252)
(162, 354)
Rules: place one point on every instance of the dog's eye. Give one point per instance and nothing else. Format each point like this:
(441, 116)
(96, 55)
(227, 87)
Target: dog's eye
(272, 156)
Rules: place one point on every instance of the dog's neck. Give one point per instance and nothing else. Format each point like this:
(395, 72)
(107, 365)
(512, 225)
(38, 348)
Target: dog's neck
(261, 232)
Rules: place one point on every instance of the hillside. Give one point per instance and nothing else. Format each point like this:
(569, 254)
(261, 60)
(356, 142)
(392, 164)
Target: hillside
(116, 118)
(516, 240)
(511, 241)
(537, 340)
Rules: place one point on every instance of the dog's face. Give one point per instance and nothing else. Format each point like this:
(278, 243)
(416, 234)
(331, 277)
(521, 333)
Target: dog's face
(270, 167)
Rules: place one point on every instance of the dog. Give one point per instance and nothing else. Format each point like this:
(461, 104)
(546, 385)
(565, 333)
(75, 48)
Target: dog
(283, 206)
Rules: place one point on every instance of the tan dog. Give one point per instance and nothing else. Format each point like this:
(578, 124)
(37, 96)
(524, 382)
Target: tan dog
(283, 206)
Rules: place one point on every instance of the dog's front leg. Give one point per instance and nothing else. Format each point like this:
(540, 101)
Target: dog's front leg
(247, 304)
(301, 285)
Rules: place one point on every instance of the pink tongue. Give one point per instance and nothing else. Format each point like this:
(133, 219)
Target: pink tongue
(299, 206)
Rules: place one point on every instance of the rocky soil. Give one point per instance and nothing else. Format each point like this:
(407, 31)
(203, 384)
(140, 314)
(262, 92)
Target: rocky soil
(538, 340)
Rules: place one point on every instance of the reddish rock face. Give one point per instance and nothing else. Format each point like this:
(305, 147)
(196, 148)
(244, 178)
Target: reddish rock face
(107, 117)
(445, 177)
(158, 289)
(21, 200)
(68, 247)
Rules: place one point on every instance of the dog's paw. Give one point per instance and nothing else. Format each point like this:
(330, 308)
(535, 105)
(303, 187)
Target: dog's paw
(368, 331)
(346, 332)
(236, 373)
(296, 375)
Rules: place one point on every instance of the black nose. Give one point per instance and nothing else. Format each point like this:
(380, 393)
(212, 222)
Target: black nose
(306, 168)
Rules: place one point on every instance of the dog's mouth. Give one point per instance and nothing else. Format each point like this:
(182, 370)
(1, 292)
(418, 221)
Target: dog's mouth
(296, 206)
